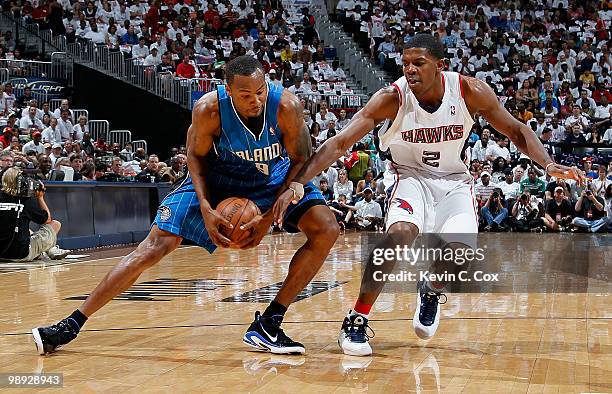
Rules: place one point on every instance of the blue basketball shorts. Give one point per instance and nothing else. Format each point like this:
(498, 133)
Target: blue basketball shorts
(179, 212)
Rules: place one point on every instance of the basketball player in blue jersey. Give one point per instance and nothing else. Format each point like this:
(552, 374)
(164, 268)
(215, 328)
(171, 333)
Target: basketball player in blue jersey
(247, 139)
(428, 184)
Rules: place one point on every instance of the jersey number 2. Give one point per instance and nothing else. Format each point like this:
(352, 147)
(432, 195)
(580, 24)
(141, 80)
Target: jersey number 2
(263, 168)
(431, 158)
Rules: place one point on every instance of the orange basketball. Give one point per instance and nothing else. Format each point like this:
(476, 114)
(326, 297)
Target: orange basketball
(237, 211)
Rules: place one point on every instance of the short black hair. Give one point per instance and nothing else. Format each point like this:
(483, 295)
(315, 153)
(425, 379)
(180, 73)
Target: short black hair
(242, 65)
(429, 42)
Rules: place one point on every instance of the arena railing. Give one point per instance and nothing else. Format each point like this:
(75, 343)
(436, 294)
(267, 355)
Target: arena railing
(78, 112)
(120, 137)
(98, 129)
(4, 75)
(140, 144)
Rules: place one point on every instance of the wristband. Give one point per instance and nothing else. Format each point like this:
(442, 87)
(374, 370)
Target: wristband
(548, 165)
(297, 189)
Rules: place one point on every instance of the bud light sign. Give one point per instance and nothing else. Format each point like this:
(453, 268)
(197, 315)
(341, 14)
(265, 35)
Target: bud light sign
(50, 88)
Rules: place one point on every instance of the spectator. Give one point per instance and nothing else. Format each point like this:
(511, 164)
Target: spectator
(150, 173)
(484, 189)
(324, 116)
(576, 137)
(79, 129)
(367, 182)
(534, 185)
(559, 211)
(482, 145)
(590, 212)
(153, 59)
(65, 125)
(34, 145)
(498, 150)
(29, 122)
(495, 211)
(327, 193)
(173, 172)
(140, 51)
(525, 214)
(368, 214)
(343, 186)
(342, 120)
(185, 69)
(64, 106)
(601, 183)
(52, 134)
(577, 118)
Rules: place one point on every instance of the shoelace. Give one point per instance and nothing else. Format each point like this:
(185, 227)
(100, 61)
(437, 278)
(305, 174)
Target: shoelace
(359, 332)
(429, 304)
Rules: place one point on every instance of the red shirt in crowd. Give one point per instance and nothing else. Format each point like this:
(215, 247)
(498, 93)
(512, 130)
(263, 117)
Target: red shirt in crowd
(185, 70)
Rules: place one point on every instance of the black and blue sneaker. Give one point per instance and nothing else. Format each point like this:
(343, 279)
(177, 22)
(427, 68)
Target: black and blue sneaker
(49, 339)
(265, 334)
(353, 338)
(427, 314)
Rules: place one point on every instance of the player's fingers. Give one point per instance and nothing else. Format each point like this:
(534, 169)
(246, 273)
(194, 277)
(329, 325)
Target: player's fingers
(220, 240)
(252, 223)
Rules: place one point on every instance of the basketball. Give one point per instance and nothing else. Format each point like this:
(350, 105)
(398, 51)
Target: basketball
(237, 211)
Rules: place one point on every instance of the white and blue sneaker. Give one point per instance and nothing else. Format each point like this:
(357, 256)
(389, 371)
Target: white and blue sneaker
(265, 335)
(353, 338)
(427, 313)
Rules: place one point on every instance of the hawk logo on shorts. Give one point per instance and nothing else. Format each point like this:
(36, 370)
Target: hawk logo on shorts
(164, 213)
(403, 204)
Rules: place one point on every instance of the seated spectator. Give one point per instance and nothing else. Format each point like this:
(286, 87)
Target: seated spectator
(509, 186)
(64, 106)
(335, 73)
(343, 186)
(76, 162)
(342, 120)
(495, 211)
(559, 211)
(560, 182)
(601, 183)
(140, 51)
(576, 137)
(150, 173)
(343, 211)
(525, 214)
(357, 162)
(52, 134)
(56, 153)
(577, 118)
(327, 193)
(153, 59)
(46, 171)
(127, 154)
(590, 212)
(173, 172)
(368, 214)
(534, 185)
(367, 182)
(185, 69)
(485, 188)
(498, 150)
(29, 122)
(79, 129)
(34, 145)
(65, 125)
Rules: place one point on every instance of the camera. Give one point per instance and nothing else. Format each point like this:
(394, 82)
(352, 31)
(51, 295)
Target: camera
(495, 195)
(588, 192)
(28, 186)
(524, 197)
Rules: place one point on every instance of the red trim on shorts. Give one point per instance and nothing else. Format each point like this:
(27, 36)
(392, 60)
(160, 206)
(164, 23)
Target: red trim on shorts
(461, 86)
(395, 186)
(398, 91)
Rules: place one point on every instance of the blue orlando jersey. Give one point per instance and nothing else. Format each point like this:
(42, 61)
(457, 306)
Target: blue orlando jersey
(242, 160)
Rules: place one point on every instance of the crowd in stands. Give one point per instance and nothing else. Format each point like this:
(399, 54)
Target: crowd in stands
(548, 61)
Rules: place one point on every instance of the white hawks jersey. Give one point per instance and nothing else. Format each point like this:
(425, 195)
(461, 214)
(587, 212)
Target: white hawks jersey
(430, 142)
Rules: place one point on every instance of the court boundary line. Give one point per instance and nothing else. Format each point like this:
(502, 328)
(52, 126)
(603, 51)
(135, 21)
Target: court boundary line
(214, 325)
(79, 262)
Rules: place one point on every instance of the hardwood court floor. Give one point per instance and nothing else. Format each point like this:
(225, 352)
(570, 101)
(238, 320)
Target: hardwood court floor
(173, 332)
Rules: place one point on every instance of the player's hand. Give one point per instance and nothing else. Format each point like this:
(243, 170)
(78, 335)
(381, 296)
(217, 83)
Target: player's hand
(259, 227)
(213, 222)
(281, 204)
(565, 172)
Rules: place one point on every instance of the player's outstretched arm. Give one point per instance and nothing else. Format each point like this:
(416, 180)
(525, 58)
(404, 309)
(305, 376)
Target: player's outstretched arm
(480, 98)
(204, 125)
(384, 104)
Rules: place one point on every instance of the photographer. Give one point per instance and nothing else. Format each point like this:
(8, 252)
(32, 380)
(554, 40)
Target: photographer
(22, 201)
(590, 212)
(559, 211)
(525, 214)
(495, 212)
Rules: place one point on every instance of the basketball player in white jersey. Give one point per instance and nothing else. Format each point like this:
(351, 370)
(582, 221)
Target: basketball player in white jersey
(428, 184)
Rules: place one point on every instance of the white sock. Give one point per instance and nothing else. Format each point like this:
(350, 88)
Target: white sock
(354, 313)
